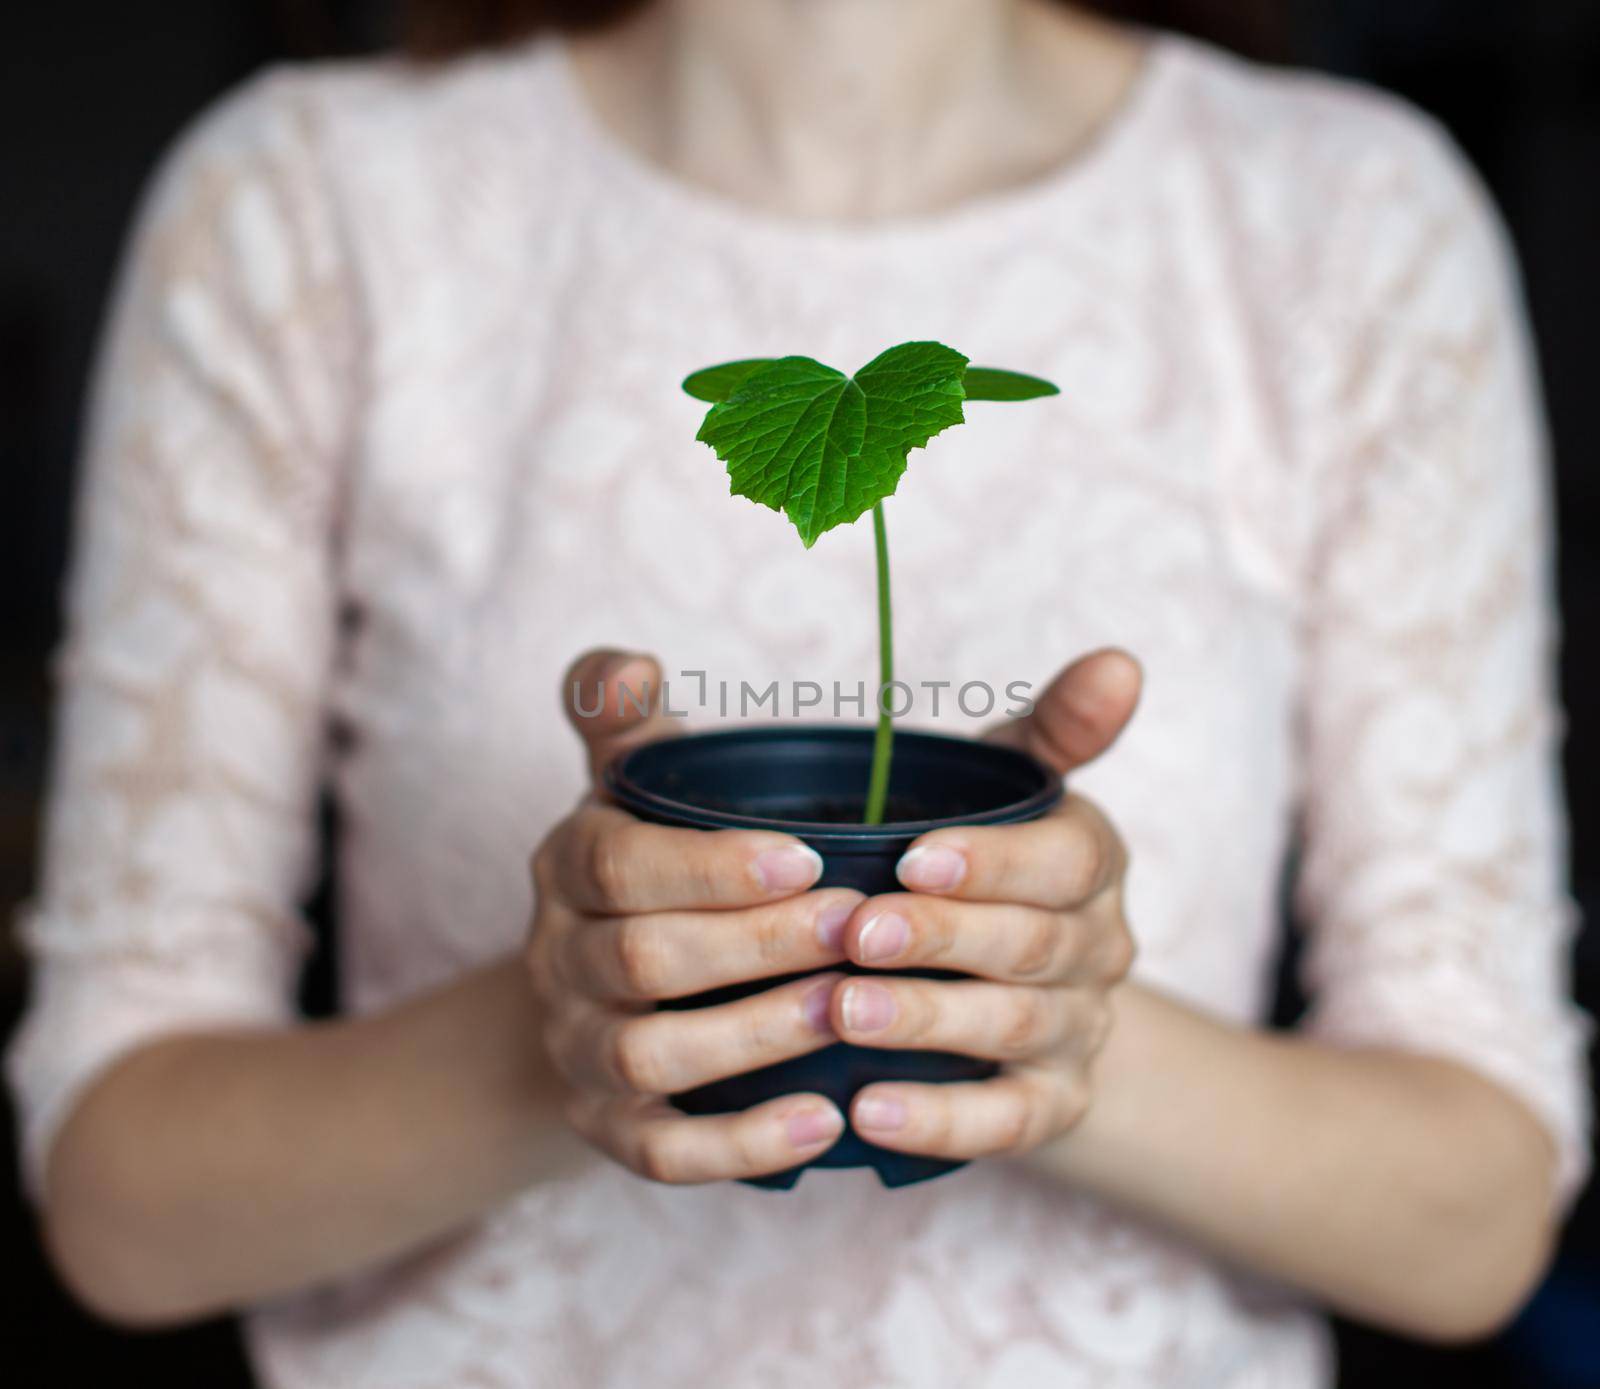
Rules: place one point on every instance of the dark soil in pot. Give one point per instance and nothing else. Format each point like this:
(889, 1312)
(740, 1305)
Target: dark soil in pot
(811, 782)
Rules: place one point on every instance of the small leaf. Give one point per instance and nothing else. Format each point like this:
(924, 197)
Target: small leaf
(717, 383)
(824, 448)
(991, 383)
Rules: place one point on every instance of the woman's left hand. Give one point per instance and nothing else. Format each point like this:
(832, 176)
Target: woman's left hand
(1034, 912)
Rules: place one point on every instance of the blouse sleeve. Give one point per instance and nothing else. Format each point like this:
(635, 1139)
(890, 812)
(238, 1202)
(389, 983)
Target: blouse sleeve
(1434, 855)
(179, 832)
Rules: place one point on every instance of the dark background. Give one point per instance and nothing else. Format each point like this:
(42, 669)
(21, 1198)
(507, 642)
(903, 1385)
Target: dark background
(92, 92)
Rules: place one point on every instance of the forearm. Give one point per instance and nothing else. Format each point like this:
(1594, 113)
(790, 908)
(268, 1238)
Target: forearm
(209, 1171)
(1398, 1189)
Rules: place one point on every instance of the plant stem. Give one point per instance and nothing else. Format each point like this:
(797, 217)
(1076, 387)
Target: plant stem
(883, 741)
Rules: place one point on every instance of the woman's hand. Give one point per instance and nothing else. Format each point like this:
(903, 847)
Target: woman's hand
(631, 913)
(1034, 911)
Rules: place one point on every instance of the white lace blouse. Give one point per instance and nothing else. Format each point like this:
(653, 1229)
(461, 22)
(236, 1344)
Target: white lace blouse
(388, 428)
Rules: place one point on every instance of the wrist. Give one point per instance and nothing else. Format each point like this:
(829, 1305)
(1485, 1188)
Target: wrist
(1141, 1083)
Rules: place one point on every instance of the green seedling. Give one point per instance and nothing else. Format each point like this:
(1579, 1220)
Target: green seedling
(825, 448)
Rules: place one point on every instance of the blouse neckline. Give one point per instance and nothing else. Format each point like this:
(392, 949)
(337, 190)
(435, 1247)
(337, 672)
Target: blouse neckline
(1114, 142)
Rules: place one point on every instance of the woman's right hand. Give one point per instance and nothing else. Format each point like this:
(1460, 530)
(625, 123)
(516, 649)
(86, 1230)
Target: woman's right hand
(630, 913)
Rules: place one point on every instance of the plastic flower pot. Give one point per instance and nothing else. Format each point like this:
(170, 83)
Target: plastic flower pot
(809, 782)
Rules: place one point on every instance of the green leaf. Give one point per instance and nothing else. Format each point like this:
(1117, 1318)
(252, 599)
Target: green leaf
(991, 383)
(824, 448)
(719, 382)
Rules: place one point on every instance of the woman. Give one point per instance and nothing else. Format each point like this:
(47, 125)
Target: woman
(387, 431)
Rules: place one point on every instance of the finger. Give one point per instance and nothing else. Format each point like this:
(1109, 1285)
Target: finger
(675, 954)
(613, 699)
(998, 1022)
(1002, 941)
(1080, 713)
(664, 1053)
(603, 862)
(1017, 1110)
(657, 1142)
(1061, 860)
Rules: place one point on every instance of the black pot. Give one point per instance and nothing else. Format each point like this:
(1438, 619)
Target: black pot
(811, 782)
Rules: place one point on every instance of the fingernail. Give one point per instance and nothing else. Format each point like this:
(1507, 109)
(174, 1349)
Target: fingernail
(882, 1112)
(932, 867)
(813, 1126)
(884, 937)
(616, 664)
(636, 696)
(868, 1007)
(789, 868)
(831, 923)
(815, 1006)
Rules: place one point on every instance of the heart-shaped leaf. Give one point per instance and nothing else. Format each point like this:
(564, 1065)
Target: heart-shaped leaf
(822, 447)
(714, 384)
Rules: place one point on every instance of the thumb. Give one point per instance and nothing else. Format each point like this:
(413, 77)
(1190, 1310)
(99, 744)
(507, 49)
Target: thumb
(1081, 712)
(613, 701)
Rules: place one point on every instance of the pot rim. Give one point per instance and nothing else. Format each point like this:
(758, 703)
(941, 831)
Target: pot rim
(627, 791)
